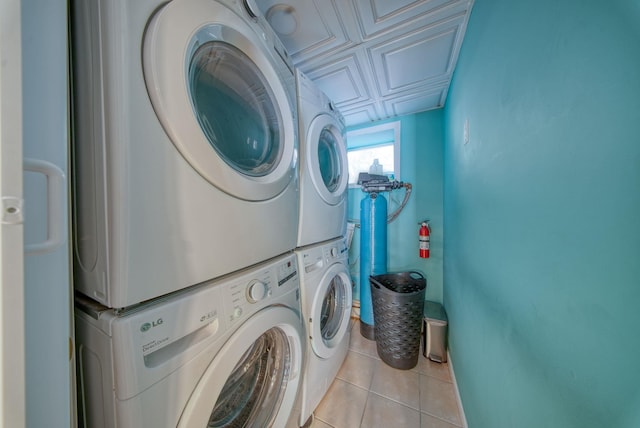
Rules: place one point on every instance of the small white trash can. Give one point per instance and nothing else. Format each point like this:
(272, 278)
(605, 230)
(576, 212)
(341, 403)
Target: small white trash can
(434, 332)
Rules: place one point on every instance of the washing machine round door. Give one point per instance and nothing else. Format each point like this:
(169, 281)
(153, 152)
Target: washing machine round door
(331, 309)
(327, 159)
(254, 378)
(216, 90)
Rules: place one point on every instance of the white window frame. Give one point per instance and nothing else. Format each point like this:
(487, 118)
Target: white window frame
(395, 126)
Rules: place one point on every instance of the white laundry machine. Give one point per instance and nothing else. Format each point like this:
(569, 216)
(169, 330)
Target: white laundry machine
(224, 354)
(324, 173)
(326, 290)
(184, 142)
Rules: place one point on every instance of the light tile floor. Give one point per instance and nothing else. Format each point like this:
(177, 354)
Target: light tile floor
(368, 393)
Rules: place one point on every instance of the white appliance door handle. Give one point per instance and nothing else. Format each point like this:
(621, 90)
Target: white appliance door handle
(55, 197)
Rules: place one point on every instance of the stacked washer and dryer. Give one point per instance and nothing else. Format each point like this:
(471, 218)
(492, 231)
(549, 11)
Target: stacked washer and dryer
(322, 252)
(198, 303)
(185, 189)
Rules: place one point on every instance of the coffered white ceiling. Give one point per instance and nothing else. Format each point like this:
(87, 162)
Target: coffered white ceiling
(374, 58)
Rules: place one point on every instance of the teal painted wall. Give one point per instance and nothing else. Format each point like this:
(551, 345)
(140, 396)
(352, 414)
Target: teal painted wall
(421, 164)
(542, 215)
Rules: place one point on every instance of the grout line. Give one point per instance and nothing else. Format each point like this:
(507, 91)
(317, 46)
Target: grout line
(364, 354)
(431, 414)
(321, 420)
(364, 409)
(436, 378)
(420, 396)
(353, 384)
(424, 412)
(396, 401)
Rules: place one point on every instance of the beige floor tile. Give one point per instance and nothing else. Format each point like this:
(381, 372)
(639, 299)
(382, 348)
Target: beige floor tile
(317, 423)
(402, 386)
(361, 344)
(428, 421)
(343, 405)
(431, 368)
(352, 322)
(368, 393)
(438, 398)
(357, 369)
(383, 413)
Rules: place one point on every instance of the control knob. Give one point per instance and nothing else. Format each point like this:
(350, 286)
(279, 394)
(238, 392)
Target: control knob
(237, 312)
(256, 291)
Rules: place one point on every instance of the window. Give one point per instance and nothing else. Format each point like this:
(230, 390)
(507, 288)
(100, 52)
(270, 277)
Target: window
(380, 142)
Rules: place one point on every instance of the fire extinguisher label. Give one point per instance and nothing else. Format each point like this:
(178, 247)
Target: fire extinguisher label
(424, 244)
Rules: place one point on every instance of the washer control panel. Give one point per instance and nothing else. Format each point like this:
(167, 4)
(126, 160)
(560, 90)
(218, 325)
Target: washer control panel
(248, 292)
(335, 250)
(317, 257)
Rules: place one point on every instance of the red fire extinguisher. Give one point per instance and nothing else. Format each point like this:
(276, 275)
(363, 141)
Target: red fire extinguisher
(423, 237)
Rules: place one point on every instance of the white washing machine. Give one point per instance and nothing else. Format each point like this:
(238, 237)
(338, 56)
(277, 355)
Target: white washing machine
(224, 354)
(185, 145)
(326, 290)
(324, 173)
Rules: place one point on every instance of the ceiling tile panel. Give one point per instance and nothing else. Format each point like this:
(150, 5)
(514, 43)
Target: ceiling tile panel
(415, 102)
(360, 114)
(378, 16)
(342, 78)
(414, 59)
(307, 28)
(374, 58)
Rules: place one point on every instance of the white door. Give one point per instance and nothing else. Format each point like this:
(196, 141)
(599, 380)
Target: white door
(47, 266)
(253, 380)
(327, 159)
(37, 262)
(331, 310)
(220, 99)
(12, 395)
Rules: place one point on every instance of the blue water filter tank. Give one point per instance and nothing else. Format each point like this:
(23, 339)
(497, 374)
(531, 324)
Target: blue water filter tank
(373, 254)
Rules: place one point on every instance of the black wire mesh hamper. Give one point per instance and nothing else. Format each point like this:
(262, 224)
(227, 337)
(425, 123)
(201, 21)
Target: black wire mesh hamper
(398, 303)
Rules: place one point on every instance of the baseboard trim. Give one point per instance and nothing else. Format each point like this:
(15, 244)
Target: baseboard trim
(455, 386)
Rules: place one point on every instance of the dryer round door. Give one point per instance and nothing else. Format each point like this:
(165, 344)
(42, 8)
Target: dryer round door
(326, 159)
(330, 311)
(254, 378)
(219, 98)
